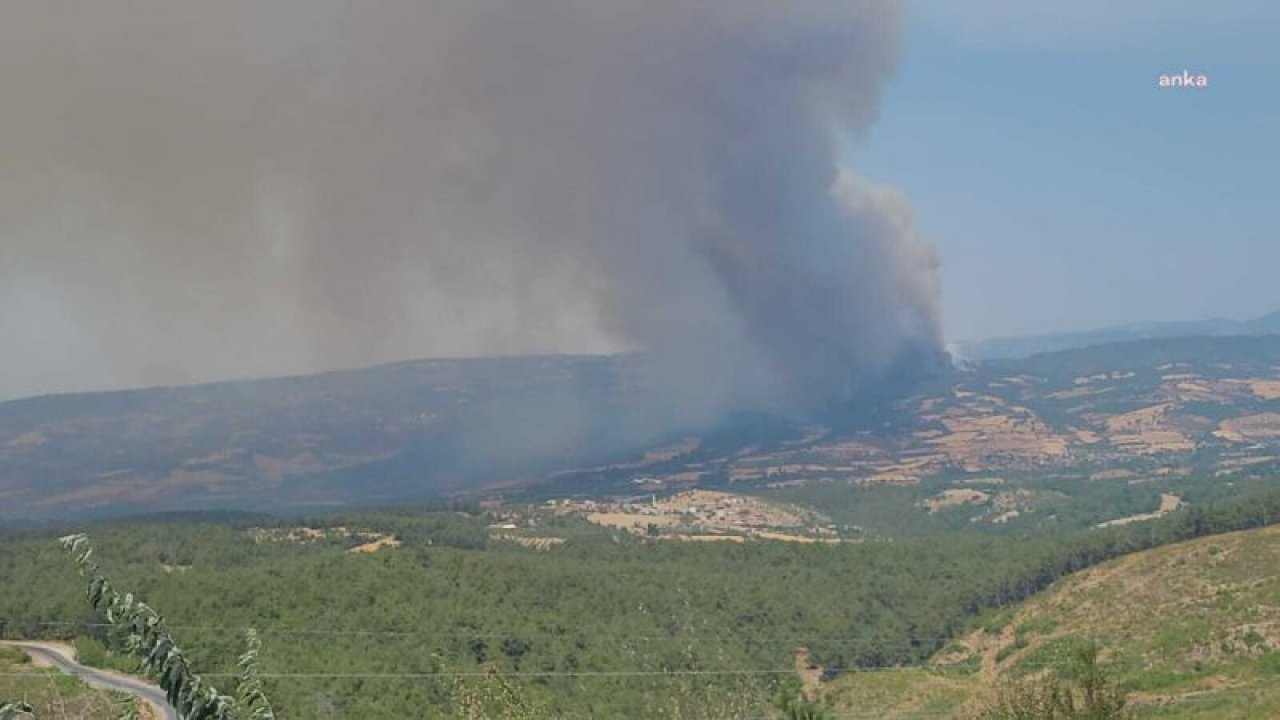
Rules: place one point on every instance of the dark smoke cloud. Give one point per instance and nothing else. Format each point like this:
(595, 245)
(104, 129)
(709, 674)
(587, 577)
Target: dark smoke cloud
(192, 191)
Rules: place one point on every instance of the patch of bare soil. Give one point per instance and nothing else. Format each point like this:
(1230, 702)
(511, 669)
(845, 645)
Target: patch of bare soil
(787, 537)
(1113, 474)
(983, 428)
(533, 542)
(1250, 428)
(708, 538)
(1266, 389)
(1168, 503)
(953, 497)
(373, 546)
(633, 522)
(1147, 431)
(808, 671)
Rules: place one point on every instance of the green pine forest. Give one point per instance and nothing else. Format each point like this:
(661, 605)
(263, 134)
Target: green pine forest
(604, 625)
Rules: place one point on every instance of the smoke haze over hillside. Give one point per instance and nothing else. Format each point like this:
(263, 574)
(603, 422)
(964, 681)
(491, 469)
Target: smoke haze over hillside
(193, 191)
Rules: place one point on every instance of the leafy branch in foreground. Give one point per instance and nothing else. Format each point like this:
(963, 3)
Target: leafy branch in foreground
(15, 711)
(162, 660)
(250, 698)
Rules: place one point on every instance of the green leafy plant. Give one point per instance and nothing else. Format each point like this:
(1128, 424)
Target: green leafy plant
(15, 711)
(148, 639)
(795, 706)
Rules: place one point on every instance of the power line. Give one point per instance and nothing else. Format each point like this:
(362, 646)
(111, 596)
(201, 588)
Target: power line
(267, 630)
(934, 644)
(854, 670)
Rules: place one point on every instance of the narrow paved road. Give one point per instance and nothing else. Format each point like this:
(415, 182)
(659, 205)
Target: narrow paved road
(62, 657)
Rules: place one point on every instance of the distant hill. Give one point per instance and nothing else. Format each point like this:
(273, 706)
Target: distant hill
(1028, 345)
(1251, 353)
(1189, 629)
(411, 430)
(591, 425)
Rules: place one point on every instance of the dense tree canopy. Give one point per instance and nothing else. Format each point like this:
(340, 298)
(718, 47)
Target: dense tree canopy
(600, 626)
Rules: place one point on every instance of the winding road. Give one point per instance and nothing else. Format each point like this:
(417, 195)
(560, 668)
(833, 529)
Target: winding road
(63, 658)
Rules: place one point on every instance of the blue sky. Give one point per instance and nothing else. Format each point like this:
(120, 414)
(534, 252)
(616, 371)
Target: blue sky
(1062, 188)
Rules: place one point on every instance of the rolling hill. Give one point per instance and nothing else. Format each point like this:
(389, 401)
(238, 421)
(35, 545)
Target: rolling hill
(555, 426)
(1191, 630)
(1028, 345)
(410, 430)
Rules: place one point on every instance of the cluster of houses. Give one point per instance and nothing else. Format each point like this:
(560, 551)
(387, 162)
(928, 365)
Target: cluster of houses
(694, 511)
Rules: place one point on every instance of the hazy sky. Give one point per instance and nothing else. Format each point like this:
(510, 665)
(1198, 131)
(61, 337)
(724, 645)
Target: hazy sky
(1062, 188)
(198, 191)
(201, 191)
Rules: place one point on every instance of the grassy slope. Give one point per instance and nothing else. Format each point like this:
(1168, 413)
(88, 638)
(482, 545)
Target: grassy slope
(52, 694)
(1193, 630)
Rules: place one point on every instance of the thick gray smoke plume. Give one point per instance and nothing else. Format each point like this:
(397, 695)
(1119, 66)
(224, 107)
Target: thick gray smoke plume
(199, 190)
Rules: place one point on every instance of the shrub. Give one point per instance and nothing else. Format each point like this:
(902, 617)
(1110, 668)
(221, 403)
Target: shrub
(1270, 663)
(1080, 692)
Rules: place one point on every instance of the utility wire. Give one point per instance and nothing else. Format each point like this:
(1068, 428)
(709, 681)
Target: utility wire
(589, 673)
(268, 630)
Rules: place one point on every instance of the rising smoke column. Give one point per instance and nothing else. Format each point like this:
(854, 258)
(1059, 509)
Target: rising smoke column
(200, 190)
